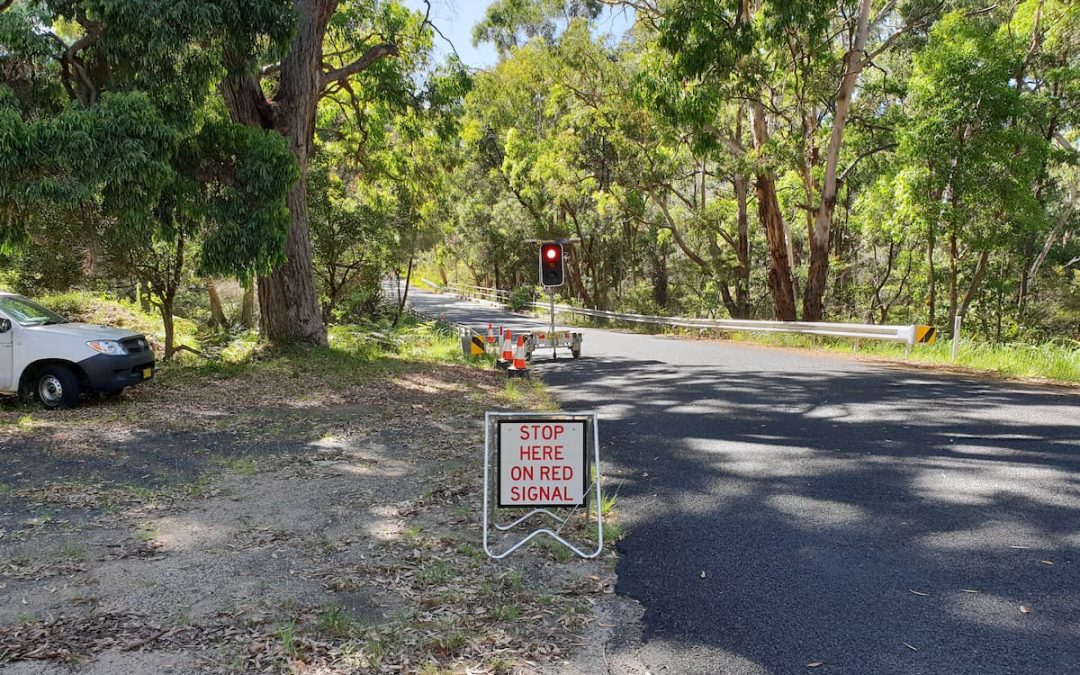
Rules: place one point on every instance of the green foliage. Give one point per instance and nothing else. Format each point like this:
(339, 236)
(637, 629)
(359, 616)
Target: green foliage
(236, 180)
(104, 310)
(955, 171)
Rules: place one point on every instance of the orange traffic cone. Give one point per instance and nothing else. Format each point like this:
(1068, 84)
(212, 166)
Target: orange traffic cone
(507, 351)
(490, 335)
(519, 368)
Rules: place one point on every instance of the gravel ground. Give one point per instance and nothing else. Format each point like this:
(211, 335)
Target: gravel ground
(247, 524)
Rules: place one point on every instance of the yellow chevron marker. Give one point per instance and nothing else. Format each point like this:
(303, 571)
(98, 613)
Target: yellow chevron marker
(925, 335)
(476, 347)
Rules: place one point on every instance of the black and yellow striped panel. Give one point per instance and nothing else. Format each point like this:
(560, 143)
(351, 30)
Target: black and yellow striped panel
(476, 348)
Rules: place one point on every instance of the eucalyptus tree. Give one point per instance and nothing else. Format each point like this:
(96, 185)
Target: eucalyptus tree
(330, 44)
(794, 67)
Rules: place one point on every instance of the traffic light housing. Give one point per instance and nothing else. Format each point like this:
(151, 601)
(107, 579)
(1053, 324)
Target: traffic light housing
(551, 264)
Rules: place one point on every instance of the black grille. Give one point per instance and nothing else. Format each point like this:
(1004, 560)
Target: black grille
(135, 345)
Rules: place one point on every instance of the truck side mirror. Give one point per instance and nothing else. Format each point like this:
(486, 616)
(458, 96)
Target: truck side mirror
(5, 324)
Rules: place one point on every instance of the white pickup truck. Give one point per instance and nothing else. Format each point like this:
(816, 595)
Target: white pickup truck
(44, 355)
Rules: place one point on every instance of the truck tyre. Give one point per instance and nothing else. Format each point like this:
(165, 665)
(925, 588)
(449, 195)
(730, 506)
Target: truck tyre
(56, 387)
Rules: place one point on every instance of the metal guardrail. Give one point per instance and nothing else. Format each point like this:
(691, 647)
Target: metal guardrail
(858, 331)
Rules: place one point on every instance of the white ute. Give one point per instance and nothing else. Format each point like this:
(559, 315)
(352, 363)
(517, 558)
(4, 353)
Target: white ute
(44, 355)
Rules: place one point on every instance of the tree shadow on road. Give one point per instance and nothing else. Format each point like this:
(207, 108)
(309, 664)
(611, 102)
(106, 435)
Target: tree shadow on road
(849, 517)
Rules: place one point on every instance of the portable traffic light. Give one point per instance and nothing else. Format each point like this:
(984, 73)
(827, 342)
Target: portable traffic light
(551, 264)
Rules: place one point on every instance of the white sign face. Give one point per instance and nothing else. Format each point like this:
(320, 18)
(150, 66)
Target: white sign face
(542, 463)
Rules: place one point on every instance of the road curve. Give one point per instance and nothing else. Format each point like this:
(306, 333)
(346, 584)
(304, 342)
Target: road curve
(785, 508)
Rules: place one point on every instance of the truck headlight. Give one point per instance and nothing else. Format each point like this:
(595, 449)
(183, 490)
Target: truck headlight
(110, 347)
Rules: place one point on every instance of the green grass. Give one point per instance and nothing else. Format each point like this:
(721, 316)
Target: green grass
(354, 351)
(613, 532)
(435, 573)
(335, 621)
(70, 550)
(245, 466)
(509, 611)
(1058, 361)
(99, 308)
(286, 636)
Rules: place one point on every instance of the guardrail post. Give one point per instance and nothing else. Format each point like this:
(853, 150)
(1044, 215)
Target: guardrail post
(957, 320)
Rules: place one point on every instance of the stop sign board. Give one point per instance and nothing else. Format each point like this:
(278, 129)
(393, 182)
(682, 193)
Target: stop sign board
(542, 463)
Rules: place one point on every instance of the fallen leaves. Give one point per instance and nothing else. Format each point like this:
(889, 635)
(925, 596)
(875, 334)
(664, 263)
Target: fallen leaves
(815, 664)
(1024, 609)
(67, 638)
(444, 606)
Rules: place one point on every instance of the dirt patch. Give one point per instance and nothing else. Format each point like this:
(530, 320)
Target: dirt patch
(246, 524)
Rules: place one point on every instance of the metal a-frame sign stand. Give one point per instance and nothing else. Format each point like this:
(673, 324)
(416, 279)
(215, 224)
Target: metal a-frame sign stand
(590, 436)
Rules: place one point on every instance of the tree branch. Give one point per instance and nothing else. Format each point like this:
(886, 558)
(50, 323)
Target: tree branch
(369, 58)
(863, 155)
(909, 25)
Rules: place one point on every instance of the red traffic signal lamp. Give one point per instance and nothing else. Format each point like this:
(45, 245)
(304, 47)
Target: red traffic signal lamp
(551, 264)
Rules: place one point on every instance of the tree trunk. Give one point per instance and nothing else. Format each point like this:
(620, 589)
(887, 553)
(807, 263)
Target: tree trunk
(659, 277)
(931, 300)
(818, 273)
(780, 284)
(976, 281)
(780, 281)
(166, 308)
(217, 311)
(954, 279)
(742, 277)
(288, 302)
(247, 306)
(405, 294)
(144, 296)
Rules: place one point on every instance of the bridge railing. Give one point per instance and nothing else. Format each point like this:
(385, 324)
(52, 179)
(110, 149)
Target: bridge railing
(890, 333)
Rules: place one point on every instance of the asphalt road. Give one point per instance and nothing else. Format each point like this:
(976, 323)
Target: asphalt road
(865, 517)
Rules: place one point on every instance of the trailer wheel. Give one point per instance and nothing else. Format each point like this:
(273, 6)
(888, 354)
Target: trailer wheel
(56, 387)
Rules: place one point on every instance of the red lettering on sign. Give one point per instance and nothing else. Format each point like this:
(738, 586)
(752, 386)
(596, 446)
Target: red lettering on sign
(541, 453)
(557, 472)
(522, 473)
(540, 432)
(543, 464)
(539, 493)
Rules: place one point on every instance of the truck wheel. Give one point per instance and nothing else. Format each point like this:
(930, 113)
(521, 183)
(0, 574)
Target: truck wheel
(56, 387)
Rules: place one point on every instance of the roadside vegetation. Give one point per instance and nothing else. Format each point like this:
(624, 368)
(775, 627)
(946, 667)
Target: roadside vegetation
(1056, 361)
(890, 163)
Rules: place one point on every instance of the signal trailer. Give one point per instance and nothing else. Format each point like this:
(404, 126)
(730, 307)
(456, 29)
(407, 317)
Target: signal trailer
(546, 339)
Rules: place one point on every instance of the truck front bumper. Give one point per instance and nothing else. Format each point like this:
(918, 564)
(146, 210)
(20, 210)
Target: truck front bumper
(107, 373)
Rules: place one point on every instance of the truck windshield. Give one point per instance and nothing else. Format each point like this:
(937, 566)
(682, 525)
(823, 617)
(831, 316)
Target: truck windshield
(28, 313)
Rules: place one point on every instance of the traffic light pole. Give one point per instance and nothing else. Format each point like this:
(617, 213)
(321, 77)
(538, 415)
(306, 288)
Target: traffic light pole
(554, 350)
